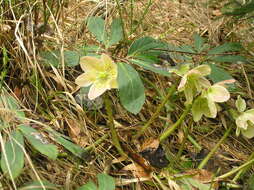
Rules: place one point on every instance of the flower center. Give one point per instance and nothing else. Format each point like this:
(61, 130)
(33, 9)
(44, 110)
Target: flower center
(103, 76)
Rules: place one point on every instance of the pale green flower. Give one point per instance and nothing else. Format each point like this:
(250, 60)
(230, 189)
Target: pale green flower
(245, 120)
(194, 81)
(205, 104)
(101, 74)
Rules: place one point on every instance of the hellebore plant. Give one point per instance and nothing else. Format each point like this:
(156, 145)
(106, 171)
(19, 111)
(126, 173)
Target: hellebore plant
(101, 74)
(245, 119)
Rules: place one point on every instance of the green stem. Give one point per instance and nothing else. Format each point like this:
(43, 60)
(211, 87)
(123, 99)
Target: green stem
(247, 164)
(99, 141)
(111, 125)
(157, 112)
(171, 129)
(205, 160)
(241, 172)
(142, 17)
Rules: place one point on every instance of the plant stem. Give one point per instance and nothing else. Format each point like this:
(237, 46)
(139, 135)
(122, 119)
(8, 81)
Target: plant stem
(205, 160)
(142, 17)
(241, 172)
(157, 112)
(247, 164)
(171, 129)
(99, 141)
(111, 125)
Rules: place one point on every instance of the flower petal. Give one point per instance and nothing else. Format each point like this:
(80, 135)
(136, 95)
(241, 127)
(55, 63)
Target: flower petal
(114, 83)
(97, 89)
(91, 64)
(198, 108)
(85, 79)
(241, 121)
(182, 83)
(240, 104)
(109, 64)
(212, 109)
(203, 70)
(249, 132)
(217, 93)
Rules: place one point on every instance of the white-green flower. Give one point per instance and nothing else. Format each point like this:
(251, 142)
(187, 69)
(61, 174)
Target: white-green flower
(194, 81)
(245, 120)
(205, 104)
(101, 74)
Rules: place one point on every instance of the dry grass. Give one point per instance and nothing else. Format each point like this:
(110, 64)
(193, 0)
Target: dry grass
(47, 94)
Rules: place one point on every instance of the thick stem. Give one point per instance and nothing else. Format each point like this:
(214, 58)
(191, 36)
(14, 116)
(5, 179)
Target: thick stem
(205, 160)
(171, 129)
(157, 112)
(111, 125)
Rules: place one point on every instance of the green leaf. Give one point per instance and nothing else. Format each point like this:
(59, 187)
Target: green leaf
(198, 42)
(37, 185)
(50, 57)
(131, 88)
(73, 148)
(218, 74)
(12, 161)
(186, 49)
(243, 10)
(148, 66)
(10, 103)
(144, 44)
(89, 186)
(195, 183)
(116, 33)
(71, 58)
(228, 58)
(96, 25)
(106, 182)
(227, 47)
(33, 137)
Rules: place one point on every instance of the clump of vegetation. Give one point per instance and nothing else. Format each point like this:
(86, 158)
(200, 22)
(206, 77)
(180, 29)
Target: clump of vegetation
(105, 103)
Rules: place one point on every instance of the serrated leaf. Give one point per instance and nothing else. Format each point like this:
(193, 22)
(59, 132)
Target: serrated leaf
(96, 25)
(198, 43)
(116, 32)
(218, 74)
(71, 58)
(89, 186)
(144, 44)
(12, 162)
(73, 148)
(131, 88)
(148, 66)
(37, 185)
(228, 58)
(33, 138)
(227, 47)
(106, 182)
(186, 49)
